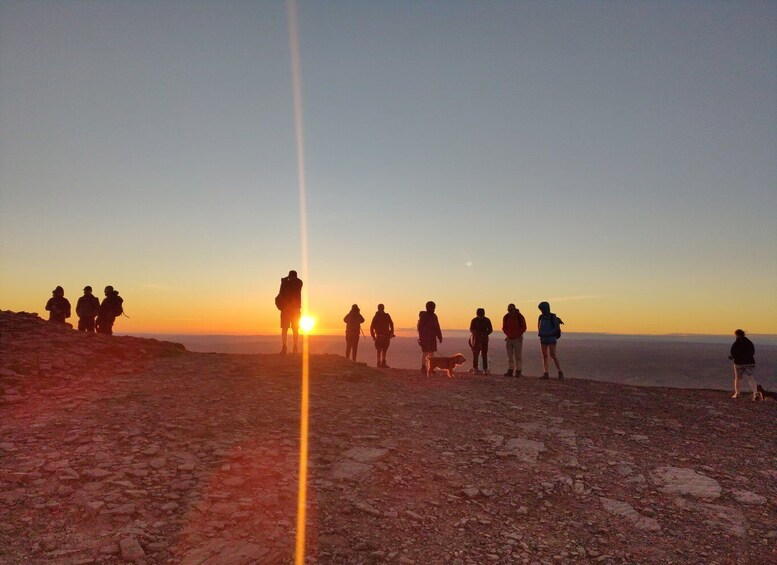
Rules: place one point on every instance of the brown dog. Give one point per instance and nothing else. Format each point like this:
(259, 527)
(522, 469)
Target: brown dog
(448, 364)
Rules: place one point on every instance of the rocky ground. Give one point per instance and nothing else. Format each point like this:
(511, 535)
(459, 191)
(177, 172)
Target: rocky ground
(119, 449)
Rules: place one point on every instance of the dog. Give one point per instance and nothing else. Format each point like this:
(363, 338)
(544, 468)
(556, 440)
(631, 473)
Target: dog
(448, 364)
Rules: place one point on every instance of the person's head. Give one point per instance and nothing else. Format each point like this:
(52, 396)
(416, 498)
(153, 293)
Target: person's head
(381, 307)
(739, 333)
(544, 307)
(355, 307)
(481, 312)
(430, 306)
(87, 290)
(108, 290)
(59, 291)
(511, 308)
(292, 274)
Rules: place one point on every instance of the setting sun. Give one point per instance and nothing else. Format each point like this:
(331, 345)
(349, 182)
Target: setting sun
(306, 323)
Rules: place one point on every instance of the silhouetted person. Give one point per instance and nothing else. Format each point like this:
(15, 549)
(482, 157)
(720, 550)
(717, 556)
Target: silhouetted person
(58, 306)
(110, 308)
(514, 326)
(353, 327)
(289, 302)
(87, 309)
(429, 333)
(743, 355)
(382, 330)
(479, 329)
(549, 330)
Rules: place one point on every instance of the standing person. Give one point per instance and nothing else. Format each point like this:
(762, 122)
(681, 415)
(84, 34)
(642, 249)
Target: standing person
(743, 355)
(514, 326)
(382, 330)
(429, 333)
(479, 328)
(58, 306)
(87, 309)
(549, 330)
(353, 327)
(289, 302)
(110, 308)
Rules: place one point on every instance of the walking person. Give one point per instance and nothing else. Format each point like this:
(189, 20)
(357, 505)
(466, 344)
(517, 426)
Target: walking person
(429, 333)
(110, 308)
(549, 331)
(289, 302)
(382, 330)
(87, 308)
(514, 326)
(58, 306)
(743, 355)
(480, 328)
(353, 327)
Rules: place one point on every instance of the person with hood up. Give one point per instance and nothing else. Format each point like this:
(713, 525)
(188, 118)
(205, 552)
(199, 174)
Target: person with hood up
(549, 331)
(353, 321)
(110, 309)
(480, 328)
(514, 326)
(58, 306)
(289, 302)
(743, 355)
(429, 333)
(382, 330)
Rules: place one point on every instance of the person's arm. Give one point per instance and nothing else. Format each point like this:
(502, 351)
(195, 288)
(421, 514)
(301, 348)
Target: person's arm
(391, 324)
(522, 324)
(490, 328)
(437, 329)
(472, 328)
(67, 308)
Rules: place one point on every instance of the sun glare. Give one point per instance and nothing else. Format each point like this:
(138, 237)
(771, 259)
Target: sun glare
(306, 323)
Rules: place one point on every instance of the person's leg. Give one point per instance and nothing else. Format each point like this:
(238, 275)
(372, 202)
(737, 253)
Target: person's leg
(544, 349)
(484, 352)
(377, 355)
(295, 337)
(736, 382)
(355, 346)
(747, 374)
(518, 352)
(347, 347)
(510, 347)
(553, 356)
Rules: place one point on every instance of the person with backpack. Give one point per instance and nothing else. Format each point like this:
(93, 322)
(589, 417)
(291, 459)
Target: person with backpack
(353, 327)
(110, 308)
(382, 330)
(58, 306)
(743, 355)
(514, 326)
(429, 333)
(289, 302)
(87, 309)
(479, 328)
(549, 331)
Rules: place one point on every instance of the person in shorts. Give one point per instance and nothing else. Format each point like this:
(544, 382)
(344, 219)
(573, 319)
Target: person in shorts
(382, 330)
(548, 330)
(743, 355)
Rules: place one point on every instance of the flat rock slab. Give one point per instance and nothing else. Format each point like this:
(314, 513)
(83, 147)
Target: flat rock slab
(627, 511)
(747, 497)
(225, 552)
(365, 454)
(681, 480)
(350, 469)
(525, 449)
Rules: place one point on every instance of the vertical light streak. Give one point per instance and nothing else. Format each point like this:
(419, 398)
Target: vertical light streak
(302, 489)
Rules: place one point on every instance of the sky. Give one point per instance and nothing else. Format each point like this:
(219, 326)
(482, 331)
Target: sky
(618, 159)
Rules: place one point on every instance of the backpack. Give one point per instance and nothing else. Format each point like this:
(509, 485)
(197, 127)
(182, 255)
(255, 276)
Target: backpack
(118, 309)
(279, 302)
(557, 320)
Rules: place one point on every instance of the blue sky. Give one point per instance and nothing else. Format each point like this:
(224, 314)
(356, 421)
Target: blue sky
(619, 158)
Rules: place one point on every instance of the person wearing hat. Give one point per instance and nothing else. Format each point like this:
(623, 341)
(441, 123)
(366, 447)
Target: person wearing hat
(87, 307)
(110, 308)
(58, 306)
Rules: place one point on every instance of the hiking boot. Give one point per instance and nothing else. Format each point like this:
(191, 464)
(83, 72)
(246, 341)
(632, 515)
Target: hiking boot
(518, 374)
(386, 366)
(283, 350)
(295, 350)
(561, 375)
(509, 373)
(544, 376)
(476, 371)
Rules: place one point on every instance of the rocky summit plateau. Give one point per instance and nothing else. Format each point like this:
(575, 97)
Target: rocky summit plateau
(128, 450)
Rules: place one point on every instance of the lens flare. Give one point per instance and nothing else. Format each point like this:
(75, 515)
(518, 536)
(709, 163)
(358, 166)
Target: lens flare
(306, 324)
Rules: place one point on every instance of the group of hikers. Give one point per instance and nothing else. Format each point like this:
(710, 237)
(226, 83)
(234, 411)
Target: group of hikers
(93, 315)
(289, 302)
